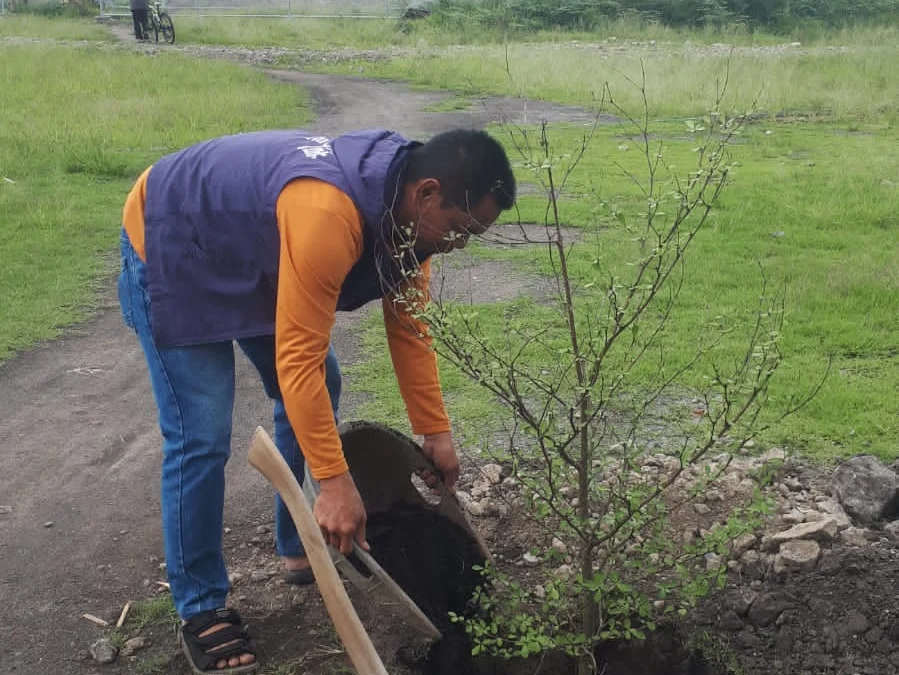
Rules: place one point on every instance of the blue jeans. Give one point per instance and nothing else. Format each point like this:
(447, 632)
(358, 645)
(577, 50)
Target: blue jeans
(194, 392)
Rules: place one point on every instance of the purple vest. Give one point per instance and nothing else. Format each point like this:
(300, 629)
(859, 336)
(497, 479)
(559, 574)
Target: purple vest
(212, 239)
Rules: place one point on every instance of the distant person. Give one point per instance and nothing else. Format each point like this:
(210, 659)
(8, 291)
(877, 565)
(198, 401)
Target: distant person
(139, 10)
(260, 238)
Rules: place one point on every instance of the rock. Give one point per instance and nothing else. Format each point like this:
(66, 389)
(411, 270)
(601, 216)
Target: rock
(530, 559)
(263, 529)
(493, 473)
(772, 455)
(702, 509)
(540, 592)
(564, 572)
(767, 607)
(743, 543)
(821, 530)
(133, 645)
(892, 529)
(48, 524)
(261, 575)
(474, 508)
(793, 517)
(867, 489)
(801, 555)
(855, 623)
(712, 561)
(740, 600)
(874, 635)
(103, 651)
(854, 536)
(713, 495)
(235, 578)
(488, 507)
(5, 509)
(730, 621)
(559, 545)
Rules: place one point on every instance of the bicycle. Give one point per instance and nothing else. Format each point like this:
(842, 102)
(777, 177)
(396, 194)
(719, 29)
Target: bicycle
(160, 22)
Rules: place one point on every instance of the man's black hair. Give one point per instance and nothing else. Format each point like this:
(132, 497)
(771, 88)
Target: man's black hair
(469, 165)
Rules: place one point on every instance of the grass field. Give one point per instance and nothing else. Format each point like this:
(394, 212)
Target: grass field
(76, 128)
(813, 206)
(813, 198)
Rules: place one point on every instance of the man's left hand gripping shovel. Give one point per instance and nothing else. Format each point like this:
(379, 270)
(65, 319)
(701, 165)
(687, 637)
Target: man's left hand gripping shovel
(264, 456)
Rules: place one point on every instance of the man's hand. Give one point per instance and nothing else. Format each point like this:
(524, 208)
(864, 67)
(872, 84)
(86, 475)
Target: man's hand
(340, 513)
(439, 449)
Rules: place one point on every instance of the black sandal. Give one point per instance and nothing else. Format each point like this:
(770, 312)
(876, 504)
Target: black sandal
(303, 577)
(204, 652)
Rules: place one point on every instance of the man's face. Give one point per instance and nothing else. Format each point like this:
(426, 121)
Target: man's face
(442, 227)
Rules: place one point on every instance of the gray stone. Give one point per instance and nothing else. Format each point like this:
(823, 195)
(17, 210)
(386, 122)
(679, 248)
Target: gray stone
(559, 545)
(793, 517)
(530, 559)
(874, 635)
(730, 621)
(702, 509)
(564, 572)
(740, 600)
(835, 510)
(855, 623)
(134, 645)
(854, 536)
(892, 529)
(801, 555)
(866, 488)
(103, 651)
(475, 508)
(712, 562)
(743, 543)
(754, 565)
(767, 607)
(493, 473)
(821, 530)
(263, 529)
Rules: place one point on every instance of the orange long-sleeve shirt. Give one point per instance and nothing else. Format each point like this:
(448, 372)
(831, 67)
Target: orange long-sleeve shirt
(321, 240)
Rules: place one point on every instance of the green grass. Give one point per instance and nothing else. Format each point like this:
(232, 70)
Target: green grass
(37, 26)
(157, 611)
(858, 84)
(76, 128)
(327, 34)
(813, 205)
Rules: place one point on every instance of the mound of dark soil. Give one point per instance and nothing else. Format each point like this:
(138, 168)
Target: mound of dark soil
(842, 617)
(433, 559)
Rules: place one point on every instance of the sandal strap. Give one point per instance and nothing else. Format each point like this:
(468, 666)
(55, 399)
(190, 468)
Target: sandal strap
(208, 650)
(212, 643)
(203, 621)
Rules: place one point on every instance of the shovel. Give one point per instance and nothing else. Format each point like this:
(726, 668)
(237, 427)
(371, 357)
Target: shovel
(360, 568)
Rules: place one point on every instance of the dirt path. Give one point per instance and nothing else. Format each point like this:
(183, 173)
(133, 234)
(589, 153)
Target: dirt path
(79, 528)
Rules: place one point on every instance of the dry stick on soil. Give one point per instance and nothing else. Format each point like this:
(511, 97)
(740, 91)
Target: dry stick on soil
(95, 619)
(564, 399)
(123, 615)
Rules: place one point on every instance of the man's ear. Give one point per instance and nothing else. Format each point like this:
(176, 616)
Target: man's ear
(427, 190)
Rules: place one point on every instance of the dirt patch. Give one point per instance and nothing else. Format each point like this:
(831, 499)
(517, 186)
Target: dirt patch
(395, 106)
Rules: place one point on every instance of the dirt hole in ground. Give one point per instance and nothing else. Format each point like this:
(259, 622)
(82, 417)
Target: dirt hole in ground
(434, 561)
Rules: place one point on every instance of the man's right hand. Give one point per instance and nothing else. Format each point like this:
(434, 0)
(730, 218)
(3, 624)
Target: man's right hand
(340, 513)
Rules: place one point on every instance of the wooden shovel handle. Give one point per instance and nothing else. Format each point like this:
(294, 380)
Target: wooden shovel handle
(266, 459)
